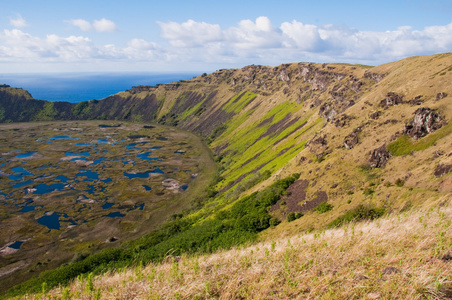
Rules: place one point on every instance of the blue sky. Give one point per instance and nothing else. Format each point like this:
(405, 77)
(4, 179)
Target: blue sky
(191, 36)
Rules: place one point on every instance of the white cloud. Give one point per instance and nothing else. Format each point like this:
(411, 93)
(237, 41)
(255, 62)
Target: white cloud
(297, 41)
(104, 25)
(304, 37)
(196, 44)
(252, 35)
(82, 24)
(18, 22)
(191, 33)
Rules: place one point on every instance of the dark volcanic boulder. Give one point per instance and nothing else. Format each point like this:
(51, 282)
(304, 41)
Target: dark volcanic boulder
(391, 100)
(441, 170)
(425, 121)
(379, 157)
(351, 140)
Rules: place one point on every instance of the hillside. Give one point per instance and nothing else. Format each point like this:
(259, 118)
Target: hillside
(398, 257)
(358, 136)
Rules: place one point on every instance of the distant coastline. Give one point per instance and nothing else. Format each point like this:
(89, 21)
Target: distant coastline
(77, 87)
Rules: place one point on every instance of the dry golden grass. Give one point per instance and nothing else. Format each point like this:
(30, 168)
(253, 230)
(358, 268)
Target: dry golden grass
(405, 256)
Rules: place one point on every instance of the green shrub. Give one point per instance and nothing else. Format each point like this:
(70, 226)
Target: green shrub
(323, 207)
(368, 191)
(292, 216)
(362, 212)
(81, 108)
(400, 182)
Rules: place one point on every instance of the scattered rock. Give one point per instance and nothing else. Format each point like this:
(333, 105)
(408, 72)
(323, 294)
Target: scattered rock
(425, 121)
(441, 95)
(379, 157)
(416, 101)
(350, 140)
(111, 239)
(321, 140)
(375, 115)
(360, 277)
(327, 111)
(447, 257)
(442, 169)
(171, 184)
(438, 153)
(391, 99)
(343, 120)
(390, 270)
(374, 76)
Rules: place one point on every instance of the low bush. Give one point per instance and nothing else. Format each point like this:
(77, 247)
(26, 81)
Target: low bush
(292, 216)
(323, 207)
(362, 212)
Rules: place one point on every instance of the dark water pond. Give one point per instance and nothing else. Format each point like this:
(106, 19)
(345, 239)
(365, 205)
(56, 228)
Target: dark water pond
(158, 170)
(24, 183)
(108, 126)
(43, 188)
(29, 208)
(89, 174)
(114, 215)
(62, 178)
(107, 205)
(16, 177)
(147, 188)
(62, 137)
(21, 170)
(98, 161)
(102, 141)
(145, 156)
(16, 245)
(25, 155)
(86, 153)
(52, 221)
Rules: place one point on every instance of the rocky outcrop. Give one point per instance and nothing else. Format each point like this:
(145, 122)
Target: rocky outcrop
(375, 115)
(391, 100)
(441, 95)
(342, 121)
(352, 139)
(328, 111)
(425, 121)
(442, 169)
(374, 76)
(379, 157)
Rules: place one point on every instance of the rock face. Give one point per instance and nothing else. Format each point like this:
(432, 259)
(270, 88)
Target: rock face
(441, 170)
(391, 100)
(441, 95)
(379, 157)
(351, 140)
(425, 121)
(374, 76)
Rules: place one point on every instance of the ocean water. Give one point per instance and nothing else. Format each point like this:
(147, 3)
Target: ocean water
(76, 87)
